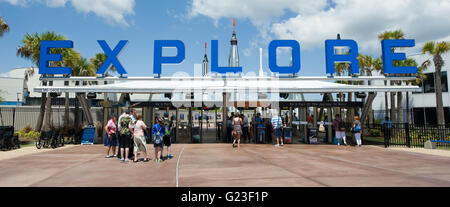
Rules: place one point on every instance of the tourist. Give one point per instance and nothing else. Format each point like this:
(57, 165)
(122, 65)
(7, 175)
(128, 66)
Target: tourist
(158, 131)
(339, 127)
(386, 125)
(295, 118)
(229, 127)
(133, 122)
(277, 124)
(167, 135)
(140, 144)
(119, 134)
(125, 139)
(237, 129)
(357, 131)
(269, 129)
(111, 140)
(245, 128)
(257, 123)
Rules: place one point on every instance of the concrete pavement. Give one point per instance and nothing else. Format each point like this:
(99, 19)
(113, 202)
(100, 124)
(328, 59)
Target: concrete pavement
(221, 165)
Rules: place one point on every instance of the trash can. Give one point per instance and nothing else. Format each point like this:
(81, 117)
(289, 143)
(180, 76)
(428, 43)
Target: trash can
(196, 134)
(312, 135)
(287, 135)
(261, 137)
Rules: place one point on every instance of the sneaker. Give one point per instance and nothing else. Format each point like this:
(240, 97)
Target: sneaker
(282, 144)
(114, 156)
(108, 156)
(277, 145)
(126, 160)
(339, 144)
(122, 160)
(169, 156)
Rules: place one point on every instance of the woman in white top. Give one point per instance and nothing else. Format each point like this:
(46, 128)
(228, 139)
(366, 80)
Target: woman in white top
(140, 143)
(237, 130)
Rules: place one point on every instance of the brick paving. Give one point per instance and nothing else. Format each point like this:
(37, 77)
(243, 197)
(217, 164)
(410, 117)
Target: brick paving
(221, 165)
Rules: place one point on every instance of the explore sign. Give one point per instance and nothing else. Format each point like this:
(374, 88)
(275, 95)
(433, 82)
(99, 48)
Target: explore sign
(158, 59)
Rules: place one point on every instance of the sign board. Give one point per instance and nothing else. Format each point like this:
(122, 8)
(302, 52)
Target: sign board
(88, 135)
(388, 56)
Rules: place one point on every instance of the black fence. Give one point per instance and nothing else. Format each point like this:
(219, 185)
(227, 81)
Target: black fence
(409, 135)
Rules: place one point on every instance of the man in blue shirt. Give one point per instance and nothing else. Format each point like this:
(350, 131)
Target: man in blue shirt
(277, 124)
(386, 125)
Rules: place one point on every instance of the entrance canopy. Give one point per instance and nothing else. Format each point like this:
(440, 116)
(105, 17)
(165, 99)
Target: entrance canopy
(250, 84)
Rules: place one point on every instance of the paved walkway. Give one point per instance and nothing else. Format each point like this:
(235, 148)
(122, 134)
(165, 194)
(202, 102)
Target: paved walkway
(221, 165)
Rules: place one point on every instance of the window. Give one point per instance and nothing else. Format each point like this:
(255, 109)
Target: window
(428, 82)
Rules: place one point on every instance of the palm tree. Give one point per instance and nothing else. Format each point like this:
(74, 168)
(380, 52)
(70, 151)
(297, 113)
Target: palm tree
(437, 50)
(378, 66)
(396, 34)
(367, 66)
(4, 27)
(82, 68)
(72, 60)
(30, 49)
(405, 63)
(97, 62)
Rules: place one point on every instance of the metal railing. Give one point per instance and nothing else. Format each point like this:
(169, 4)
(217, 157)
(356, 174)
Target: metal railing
(412, 135)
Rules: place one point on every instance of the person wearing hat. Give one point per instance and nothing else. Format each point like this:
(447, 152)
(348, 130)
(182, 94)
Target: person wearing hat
(167, 135)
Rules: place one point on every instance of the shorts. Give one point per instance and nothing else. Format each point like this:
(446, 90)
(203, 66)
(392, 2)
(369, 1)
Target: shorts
(340, 135)
(140, 144)
(167, 141)
(113, 141)
(124, 141)
(277, 132)
(161, 145)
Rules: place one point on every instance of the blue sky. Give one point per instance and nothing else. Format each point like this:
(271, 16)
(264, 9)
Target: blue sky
(198, 21)
(150, 22)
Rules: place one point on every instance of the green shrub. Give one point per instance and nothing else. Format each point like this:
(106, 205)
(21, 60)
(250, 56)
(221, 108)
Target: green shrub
(375, 132)
(32, 135)
(378, 121)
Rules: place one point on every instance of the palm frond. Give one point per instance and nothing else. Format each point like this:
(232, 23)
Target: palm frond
(428, 47)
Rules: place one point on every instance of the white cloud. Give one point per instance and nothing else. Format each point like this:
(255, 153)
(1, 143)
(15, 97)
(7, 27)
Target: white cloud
(56, 3)
(314, 22)
(112, 11)
(258, 11)
(16, 2)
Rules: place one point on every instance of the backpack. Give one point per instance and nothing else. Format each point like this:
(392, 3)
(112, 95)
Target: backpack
(124, 123)
(158, 138)
(357, 128)
(167, 127)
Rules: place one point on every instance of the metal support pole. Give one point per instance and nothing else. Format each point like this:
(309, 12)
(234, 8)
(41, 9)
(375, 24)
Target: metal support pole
(224, 117)
(329, 127)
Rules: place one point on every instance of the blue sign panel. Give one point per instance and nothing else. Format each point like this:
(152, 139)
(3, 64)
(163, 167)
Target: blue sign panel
(112, 57)
(388, 56)
(158, 59)
(332, 58)
(295, 68)
(215, 61)
(45, 57)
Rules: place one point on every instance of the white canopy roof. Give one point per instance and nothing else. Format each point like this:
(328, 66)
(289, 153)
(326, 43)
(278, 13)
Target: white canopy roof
(250, 84)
